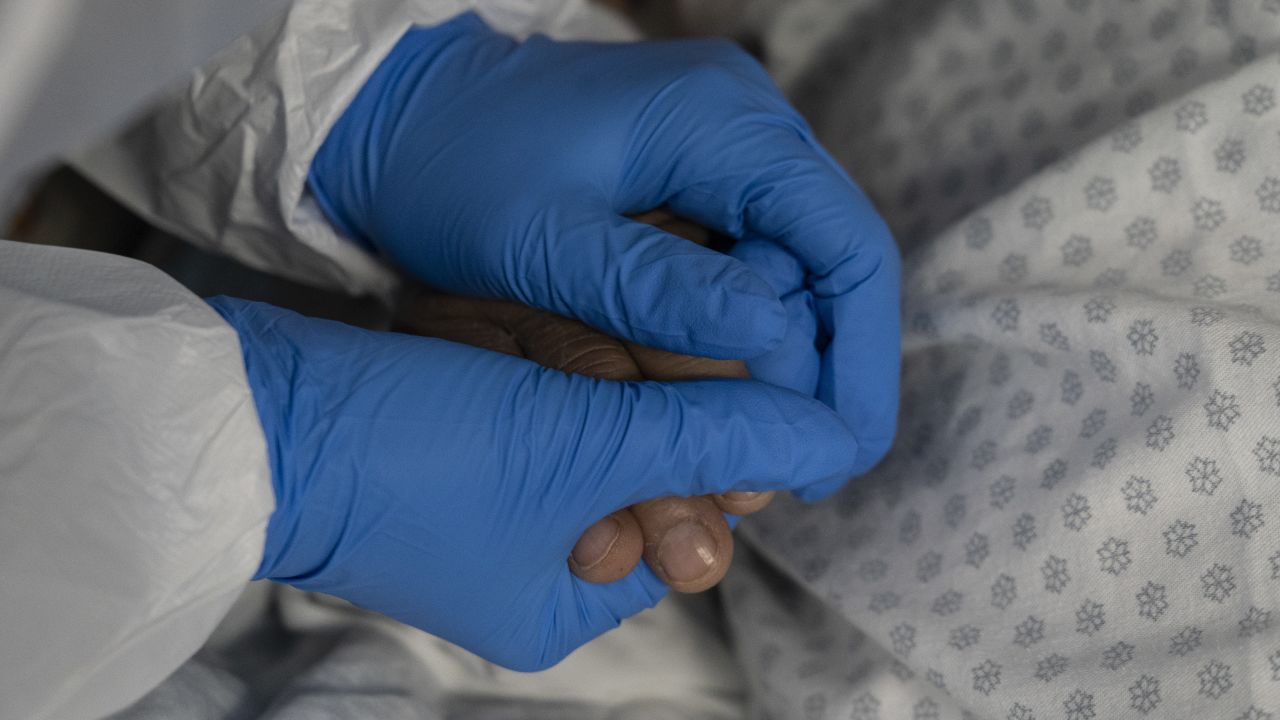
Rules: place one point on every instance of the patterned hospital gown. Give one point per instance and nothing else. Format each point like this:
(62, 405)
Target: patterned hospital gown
(1081, 515)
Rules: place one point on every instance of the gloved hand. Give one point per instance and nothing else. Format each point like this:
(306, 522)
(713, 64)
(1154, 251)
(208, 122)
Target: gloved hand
(687, 561)
(502, 169)
(445, 485)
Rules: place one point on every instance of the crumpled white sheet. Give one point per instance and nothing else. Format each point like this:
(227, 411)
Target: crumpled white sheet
(283, 653)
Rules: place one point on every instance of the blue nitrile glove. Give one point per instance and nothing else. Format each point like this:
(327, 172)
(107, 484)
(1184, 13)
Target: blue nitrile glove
(491, 167)
(445, 486)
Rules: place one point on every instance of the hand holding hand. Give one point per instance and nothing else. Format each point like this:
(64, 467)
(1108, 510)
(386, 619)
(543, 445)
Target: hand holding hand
(505, 169)
(445, 485)
(685, 540)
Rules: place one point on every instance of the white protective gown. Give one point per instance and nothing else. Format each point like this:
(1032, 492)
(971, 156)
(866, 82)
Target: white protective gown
(134, 484)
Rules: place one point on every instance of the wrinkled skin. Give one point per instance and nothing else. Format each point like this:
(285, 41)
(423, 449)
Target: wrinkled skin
(686, 541)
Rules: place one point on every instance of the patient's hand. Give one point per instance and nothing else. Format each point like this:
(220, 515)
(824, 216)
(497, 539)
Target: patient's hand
(686, 541)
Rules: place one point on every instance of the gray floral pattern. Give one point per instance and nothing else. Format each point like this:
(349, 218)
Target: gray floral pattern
(1078, 518)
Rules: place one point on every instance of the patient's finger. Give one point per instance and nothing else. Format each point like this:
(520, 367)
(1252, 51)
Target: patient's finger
(608, 550)
(654, 364)
(568, 345)
(687, 542)
(742, 503)
(471, 321)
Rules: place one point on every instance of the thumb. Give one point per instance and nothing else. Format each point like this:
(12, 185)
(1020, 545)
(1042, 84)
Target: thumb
(797, 362)
(637, 282)
(712, 436)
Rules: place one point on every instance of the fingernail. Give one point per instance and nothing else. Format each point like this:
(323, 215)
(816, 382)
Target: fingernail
(596, 543)
(739, 496)
(687, 552)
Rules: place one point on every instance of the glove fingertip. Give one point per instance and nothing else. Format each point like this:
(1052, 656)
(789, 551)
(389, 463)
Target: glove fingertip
(833, 462)
(740, 314)
(735, 326)
(674, 295)
(767, 319)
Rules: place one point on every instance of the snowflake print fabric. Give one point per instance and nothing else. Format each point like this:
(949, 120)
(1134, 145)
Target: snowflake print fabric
(1079, 516)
